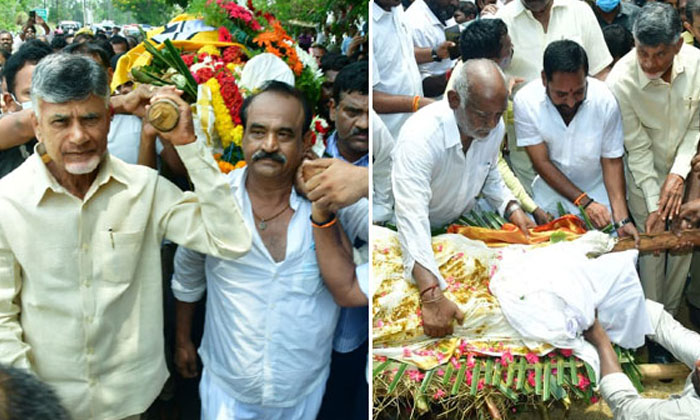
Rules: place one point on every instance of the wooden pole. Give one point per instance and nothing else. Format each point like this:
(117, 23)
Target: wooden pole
(659, 241)
(652, 371)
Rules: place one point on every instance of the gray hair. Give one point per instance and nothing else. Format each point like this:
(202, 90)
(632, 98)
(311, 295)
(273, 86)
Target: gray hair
(656, 24)
(61, 78)
(462, 84)
(692, 8)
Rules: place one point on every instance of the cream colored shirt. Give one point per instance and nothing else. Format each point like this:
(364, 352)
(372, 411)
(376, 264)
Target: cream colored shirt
(660, 120)
(570, 19)
(80, 280)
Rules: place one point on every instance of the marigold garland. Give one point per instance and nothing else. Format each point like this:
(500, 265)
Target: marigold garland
(228, 132)
(279, 43)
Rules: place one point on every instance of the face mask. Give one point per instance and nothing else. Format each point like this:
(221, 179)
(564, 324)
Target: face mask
(24, 105)
(607, 6)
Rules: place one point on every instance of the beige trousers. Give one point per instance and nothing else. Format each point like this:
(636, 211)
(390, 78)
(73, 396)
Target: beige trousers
(663, 276)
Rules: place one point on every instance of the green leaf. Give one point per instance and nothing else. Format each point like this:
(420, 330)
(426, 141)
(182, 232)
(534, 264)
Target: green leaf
(380, 368)
(507, 392)
(459, 380)
(538, 378)
(475, 378)
(558, 391)
(560, 371)
(573, 370)
(522, 369)
(489, 371)
(589, 224)
(426, 381)
(448, 374)
(397, 378)
(560, 209)
(545, 380)
(591, 374)
(496, 378)
(511, 373)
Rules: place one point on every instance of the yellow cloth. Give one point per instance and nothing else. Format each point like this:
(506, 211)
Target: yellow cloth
(138, 56)
(687, 37)
(514, 185)
(80, 280)
(661, 121)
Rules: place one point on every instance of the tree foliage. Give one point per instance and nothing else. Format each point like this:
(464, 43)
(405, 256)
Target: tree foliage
(316, 12)
(152, 12)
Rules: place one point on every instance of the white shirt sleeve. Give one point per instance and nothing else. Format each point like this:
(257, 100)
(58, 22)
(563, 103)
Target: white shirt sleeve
(526, 131)
(683, 343)
(594, 43)
(626, 403)
(189, 281)
(410, 178)
(613, 134)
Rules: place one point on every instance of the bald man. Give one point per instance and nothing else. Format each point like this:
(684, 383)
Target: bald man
(445, 157)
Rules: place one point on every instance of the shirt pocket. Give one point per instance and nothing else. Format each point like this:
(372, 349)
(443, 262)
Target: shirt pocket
(307, 279)
(120, 253)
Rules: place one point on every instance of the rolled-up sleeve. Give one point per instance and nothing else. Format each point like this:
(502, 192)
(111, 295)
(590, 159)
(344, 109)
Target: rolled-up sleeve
(189, 280)
(626, 403)
(207, 220)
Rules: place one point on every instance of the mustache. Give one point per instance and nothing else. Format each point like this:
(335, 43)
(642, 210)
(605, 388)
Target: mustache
(261, 154)
(358, 132)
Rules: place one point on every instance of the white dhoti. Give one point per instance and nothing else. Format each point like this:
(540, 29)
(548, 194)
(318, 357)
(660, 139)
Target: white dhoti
(217, 404)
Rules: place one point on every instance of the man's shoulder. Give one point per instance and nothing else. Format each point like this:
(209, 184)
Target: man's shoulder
(17, 184)
(508, 12)
(532, 93)
(426, 123)
(623, 73)
(600, 92)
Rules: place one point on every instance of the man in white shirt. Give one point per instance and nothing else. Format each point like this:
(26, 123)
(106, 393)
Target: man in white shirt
(532, 25)
(397, 89)
(80, 236)
(444, 158)
(616, 388)
(428, 20)
(571, 127)
(270, 320)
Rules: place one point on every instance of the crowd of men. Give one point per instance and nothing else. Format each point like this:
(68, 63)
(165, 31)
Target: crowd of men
(113, 232)
(539, 105)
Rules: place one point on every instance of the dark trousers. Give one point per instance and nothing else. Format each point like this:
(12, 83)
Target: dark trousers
(346, 394)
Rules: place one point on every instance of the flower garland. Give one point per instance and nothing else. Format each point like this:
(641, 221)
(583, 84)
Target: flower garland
(279, 43)
(228, 131)
(236, 12)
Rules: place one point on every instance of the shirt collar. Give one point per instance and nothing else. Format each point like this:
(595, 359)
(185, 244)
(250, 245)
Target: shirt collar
(678, 68)
(332, 150)
(429, 13)
(45, 181)
(519, 8)
(378, 13)
(237, 179)
(450, 130)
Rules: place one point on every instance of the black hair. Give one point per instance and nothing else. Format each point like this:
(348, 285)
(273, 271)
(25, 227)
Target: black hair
(116, 39)
(564, 56)
(83, 37)
(334, 62)
(319, 46)
(352, 78)
(468, 8)
(283, 89)
(30, 52)
(92, 49)
(115, 60)
(482, 39)
(58, 42)
(25, 397)
(619, 40)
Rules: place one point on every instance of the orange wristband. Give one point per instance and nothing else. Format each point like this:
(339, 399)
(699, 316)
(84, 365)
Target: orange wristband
(414, 104)
(333, 221)
(577, 202)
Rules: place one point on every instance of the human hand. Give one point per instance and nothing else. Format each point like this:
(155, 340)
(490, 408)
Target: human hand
(183, 133)
(520, 219)
(689, 215)
(629, 230)
(438, 315)
(599, 215)
(443, 50)
(423, 101)
(541, 216)
(135, 102)
(596, 335)
(299, 182)
(671, 196)
(654, 223)
(338, 184)
(489, 9)
(695, 163)
(185, 359)
(514, 83)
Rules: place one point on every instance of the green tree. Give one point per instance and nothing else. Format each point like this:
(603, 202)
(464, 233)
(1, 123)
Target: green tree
(152, 12)
(316, 12)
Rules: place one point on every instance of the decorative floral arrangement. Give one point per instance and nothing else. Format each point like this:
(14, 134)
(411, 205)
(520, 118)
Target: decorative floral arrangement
(243, 32)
